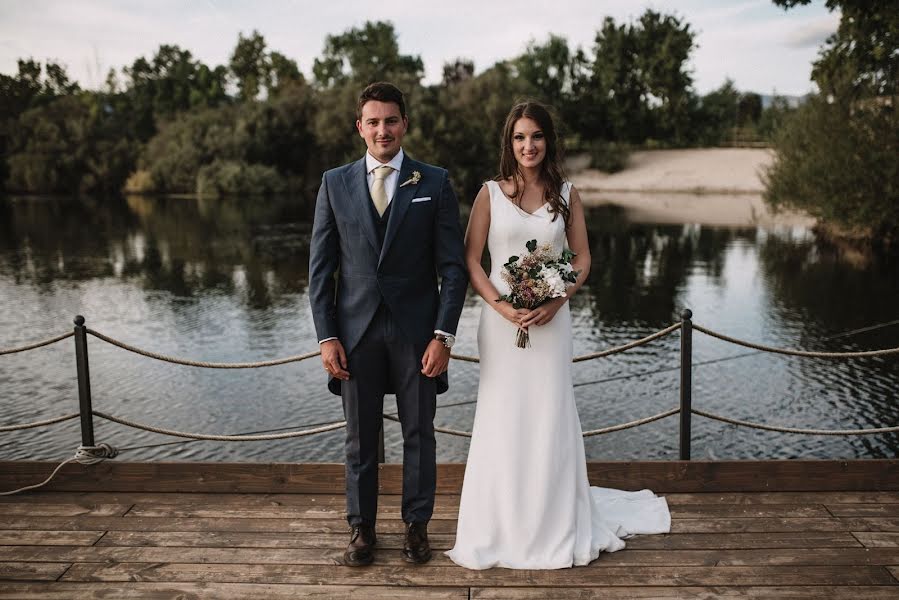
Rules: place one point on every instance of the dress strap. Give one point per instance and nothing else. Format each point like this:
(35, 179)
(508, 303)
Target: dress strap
(565, 192)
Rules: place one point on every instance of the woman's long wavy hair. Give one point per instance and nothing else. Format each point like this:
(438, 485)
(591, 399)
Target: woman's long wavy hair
(551, 172)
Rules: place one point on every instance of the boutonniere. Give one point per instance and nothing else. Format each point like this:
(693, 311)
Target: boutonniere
(416, 177)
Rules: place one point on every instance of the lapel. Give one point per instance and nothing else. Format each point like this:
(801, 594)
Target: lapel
(357, 186)
(402, 198)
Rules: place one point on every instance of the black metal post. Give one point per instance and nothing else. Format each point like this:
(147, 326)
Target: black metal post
(686, 382)
(84, 383)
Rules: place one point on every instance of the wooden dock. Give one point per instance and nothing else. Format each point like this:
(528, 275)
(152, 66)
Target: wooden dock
(743, 529)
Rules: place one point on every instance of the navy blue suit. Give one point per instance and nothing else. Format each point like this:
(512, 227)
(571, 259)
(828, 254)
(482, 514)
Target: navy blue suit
(382, 285)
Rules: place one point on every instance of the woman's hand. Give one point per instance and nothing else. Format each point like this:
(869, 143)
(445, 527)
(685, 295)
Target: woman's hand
(511, 314)
(544, 313)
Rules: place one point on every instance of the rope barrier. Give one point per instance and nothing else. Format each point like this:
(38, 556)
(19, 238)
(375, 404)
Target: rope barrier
(446, 430)
(659, 334)
(85, 455)
(790, 352)
(751, 425)
(202, 364)
(52, 340)
(92, 454)
(607, 352)
(40, 423)
(630, 424)
(220, 438)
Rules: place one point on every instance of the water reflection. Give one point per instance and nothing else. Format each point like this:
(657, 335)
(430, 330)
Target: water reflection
(226, 280)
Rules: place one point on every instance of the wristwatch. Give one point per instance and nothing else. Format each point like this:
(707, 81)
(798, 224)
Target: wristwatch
(446, 340)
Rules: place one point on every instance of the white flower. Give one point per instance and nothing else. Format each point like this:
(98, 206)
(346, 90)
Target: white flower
(554, 280)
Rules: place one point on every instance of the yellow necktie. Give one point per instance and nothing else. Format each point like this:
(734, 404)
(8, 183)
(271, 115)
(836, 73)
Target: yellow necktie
(378, 192)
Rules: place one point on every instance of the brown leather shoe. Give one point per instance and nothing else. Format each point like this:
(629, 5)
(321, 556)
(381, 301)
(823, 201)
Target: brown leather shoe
(417, 549)
(360, 551)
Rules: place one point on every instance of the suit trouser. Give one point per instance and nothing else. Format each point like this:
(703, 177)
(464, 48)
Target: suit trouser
(383, 359)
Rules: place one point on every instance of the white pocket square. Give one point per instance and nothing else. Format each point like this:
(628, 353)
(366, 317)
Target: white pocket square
(422, 199)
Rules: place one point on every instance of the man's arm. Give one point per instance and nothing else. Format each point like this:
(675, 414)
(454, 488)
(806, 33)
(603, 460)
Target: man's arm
(449, 256)
(324, 260)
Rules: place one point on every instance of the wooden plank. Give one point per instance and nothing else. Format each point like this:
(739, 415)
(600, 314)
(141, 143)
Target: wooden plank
(674, 499)
(864, 510)
(37, 537)
(659, 476)
(40, 509)
(225, 539)
(28, 571)
(283, 499)
(436, 527)
(743, 511)
(274, 512)
(454, 576)
(285, 540)
(197, 524)
(442, 500)
(744, 540)
(220, 591)
(688, 592)
(685, 511)
(869, 524)
(737, 525)
(877, 539)
(333, 555)
(894, 571)
(699, 525)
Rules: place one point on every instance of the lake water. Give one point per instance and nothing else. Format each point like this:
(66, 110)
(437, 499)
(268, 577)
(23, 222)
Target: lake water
(226, 281)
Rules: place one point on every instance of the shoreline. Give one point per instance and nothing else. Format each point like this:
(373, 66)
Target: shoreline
(707, 186)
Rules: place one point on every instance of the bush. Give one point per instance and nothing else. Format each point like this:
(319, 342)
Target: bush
(609, 157)
(839, 164)
(231, 177)
(139, 182)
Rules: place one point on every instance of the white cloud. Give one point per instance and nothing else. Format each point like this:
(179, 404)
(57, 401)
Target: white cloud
(814, 33)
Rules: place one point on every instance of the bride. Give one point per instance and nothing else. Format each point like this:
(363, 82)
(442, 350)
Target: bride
(526, 501)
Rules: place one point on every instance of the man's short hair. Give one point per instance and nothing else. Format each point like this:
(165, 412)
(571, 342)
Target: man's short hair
(381, 91)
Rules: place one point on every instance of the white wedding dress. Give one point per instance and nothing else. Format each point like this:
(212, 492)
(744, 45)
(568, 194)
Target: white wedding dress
(526, 501)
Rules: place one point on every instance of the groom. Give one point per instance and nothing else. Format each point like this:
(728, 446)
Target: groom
(385, 228)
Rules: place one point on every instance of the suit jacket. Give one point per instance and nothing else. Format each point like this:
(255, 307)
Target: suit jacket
(351, 274)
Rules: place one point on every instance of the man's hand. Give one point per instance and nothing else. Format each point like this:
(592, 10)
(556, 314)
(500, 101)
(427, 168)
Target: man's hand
(334, 359)
(435, 360)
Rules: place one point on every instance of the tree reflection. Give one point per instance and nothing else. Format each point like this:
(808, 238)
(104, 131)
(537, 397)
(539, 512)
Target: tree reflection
(255, 249)
(639, 271)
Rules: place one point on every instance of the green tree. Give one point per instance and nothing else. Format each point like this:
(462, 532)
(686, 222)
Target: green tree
(366, 54)
(860, 60)
(558, 76)
(250, 66)
(68, 146)
(836, 155)
(715, 116)
(841, 170)
(641, 78)
(458, 125)
(285, 73)
(33, 86)
(169, 83)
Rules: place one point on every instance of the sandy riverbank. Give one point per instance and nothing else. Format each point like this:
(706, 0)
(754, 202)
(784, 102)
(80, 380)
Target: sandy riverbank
(710, 186)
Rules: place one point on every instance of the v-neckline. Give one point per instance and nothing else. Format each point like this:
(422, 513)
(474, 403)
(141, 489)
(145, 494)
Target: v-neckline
(512, 202)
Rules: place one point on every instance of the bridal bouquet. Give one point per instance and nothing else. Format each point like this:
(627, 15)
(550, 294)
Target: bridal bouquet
(535, 277)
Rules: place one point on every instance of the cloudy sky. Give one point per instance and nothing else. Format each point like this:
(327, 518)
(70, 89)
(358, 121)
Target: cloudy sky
(760, 46)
